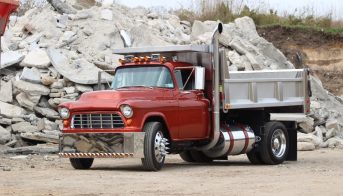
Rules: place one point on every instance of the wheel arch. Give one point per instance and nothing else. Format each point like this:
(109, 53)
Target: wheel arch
(157, 117)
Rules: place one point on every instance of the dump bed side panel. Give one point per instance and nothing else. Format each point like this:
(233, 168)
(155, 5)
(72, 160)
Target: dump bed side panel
(272, 88)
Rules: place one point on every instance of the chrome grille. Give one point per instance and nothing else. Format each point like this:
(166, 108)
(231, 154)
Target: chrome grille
(97, 121)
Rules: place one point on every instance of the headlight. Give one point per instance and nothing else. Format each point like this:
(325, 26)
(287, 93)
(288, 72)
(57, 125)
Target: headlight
(126, 110)
(64, 113)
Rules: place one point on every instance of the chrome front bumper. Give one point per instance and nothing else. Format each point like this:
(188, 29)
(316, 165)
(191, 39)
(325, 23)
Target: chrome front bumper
(102, 145)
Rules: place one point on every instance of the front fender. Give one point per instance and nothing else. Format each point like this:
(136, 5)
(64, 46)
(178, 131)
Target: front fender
(154, 114)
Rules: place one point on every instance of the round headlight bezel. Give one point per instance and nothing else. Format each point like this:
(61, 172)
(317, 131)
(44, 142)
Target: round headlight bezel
(126, 110)
(64, 113)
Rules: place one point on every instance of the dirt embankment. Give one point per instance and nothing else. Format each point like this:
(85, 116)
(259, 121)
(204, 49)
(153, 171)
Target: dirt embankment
(320, 51)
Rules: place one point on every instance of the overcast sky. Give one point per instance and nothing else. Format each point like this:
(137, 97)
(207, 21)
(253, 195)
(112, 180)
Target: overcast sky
(319, 7)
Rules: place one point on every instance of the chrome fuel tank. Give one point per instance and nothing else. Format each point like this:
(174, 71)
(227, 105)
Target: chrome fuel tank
(234, 140)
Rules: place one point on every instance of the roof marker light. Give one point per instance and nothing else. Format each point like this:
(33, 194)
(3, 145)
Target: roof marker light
(136, 59)
(147, 58)
(122, 61)
(163, 59)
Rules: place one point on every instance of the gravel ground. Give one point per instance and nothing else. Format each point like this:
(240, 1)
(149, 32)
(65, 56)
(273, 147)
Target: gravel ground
(316, 173)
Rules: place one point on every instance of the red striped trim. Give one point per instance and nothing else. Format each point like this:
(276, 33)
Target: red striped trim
(232, 141)
(246, 139)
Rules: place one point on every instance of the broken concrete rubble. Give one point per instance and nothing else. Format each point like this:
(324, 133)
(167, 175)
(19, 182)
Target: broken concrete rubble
(106, 14)
(47, 112)
(47, 80)
(316, 141)
(24, 101)
(307, 126)
(6, 94)
(24, 127)
(5, 135)
(38, 136)
(61, 7)
(10, 58)
(31, 75)
(70, 90)
(38, 149)
(36, 58)
(9, 110)
(305, 146)
(81, 72)
(335, 142)
(31, 88)
(83, 88)
(5, 121)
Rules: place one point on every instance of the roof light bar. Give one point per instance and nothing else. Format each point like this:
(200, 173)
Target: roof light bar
(142, 59)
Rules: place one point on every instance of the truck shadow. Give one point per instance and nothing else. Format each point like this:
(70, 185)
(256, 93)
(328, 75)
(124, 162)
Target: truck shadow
(175, 166)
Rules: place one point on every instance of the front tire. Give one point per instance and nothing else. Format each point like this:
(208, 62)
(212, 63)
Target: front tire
(274, 144)
(81, 163)
(154, 146)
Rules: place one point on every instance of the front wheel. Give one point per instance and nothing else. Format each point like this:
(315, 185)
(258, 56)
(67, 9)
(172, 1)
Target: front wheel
(274, 144)
(81, 163)
(155, 148)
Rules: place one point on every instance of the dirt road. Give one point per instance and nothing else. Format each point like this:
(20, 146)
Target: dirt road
(316, 173)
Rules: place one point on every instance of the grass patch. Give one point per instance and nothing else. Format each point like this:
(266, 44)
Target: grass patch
(228, 10)
(330, 30)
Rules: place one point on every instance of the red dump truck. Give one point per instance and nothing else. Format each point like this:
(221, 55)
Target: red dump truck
(6, 8)
(183, 100)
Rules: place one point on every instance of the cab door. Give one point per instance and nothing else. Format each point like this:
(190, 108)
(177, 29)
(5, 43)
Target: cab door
(193, 107)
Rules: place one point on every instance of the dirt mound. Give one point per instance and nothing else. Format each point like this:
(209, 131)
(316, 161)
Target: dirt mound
(320, 51)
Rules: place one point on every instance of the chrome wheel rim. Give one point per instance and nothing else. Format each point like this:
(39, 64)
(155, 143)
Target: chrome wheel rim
(160, 147)
(278, 143)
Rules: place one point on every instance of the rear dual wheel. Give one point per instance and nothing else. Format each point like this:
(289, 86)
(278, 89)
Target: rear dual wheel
(274, 145)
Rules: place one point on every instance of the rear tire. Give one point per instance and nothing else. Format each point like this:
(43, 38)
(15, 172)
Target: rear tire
(81, 163)
(186, 156)
(274, 144)
(153, 145)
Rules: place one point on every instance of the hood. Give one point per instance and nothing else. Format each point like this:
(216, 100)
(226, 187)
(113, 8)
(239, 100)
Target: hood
(111, 99)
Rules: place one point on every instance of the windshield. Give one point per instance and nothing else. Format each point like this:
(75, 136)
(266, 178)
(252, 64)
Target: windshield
(142, 77)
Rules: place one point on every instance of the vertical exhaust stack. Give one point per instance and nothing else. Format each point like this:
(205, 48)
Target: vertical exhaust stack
(215, 86)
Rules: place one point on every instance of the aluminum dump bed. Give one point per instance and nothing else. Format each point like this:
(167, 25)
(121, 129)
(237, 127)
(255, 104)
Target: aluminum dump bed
(271, 88)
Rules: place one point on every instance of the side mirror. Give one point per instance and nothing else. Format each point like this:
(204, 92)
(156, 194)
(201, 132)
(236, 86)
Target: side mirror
(199, 78)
